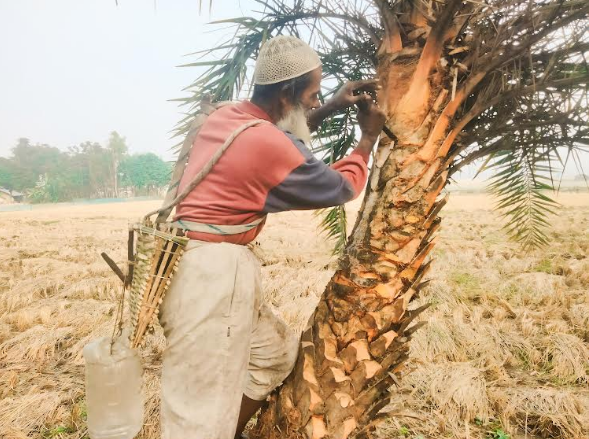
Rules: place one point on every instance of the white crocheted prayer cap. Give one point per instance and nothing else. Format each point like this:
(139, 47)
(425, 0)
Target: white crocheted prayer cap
(284, 57)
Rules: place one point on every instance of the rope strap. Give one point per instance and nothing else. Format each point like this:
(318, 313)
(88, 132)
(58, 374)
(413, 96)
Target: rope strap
(207, 168)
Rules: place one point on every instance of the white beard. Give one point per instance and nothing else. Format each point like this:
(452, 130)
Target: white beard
(295, 121)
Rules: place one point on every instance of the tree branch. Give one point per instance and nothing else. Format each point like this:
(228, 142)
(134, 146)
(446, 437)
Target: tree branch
(491, 64)
(434, 44)
(361, 22)
(392, 40)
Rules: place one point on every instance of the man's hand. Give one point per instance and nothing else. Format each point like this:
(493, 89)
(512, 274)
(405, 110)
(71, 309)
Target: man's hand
(371, 120)
(350, 93)
(354, 92)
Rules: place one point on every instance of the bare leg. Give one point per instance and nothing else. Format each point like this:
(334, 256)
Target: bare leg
(249, 407)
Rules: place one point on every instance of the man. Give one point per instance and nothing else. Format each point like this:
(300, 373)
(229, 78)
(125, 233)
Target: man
(224, 346)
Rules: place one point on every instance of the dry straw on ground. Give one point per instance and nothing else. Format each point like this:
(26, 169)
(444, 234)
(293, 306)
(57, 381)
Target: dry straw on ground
(506, 348)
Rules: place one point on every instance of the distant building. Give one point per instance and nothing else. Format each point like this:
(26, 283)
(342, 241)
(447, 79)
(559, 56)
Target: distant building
(8, 196)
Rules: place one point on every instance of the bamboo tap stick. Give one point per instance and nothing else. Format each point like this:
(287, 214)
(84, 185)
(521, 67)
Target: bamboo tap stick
(112, 264)
(130, 257)
(147, 306)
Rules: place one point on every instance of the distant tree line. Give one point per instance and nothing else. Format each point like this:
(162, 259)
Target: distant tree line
(48, 174)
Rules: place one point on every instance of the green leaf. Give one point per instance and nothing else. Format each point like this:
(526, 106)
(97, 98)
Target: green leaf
(518, 185)
(334, 225)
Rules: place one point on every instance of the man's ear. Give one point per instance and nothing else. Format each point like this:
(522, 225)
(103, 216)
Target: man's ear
(285, 102)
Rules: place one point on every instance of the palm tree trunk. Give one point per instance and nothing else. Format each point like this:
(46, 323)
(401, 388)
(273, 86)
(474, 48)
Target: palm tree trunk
(356, 341)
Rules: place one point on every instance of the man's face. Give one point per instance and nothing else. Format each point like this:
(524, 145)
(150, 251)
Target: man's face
(294, 118)
(310, 96)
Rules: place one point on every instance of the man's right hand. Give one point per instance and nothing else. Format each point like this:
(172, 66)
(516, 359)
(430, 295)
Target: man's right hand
(371, 119)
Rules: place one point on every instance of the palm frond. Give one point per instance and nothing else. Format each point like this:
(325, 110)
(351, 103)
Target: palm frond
(521, 183)
(544, 91)
(200, 6)
(337, 134)
(334, 138)
(334, 225)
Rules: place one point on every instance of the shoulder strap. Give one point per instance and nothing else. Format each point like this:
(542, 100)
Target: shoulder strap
(171, 201)
(206, 109)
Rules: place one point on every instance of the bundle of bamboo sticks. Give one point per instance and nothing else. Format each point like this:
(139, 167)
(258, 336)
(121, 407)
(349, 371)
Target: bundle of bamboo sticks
(156, 257)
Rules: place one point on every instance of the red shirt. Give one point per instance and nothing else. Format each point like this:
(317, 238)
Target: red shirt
(264, 170)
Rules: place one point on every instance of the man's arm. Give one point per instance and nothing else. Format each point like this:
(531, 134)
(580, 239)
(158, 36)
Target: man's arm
(314, 185)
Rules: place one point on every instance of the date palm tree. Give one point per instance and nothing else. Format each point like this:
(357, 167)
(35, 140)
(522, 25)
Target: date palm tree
(503, 81)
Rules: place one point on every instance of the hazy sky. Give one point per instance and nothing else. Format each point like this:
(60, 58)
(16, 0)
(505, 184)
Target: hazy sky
(74, 70)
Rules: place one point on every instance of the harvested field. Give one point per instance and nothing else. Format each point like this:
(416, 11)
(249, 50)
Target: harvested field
(506, 347)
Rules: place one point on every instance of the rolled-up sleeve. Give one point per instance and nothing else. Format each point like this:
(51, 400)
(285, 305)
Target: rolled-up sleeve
(315, 185)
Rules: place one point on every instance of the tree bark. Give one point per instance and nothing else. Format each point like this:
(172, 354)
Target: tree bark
(357, 338)
(356, 341)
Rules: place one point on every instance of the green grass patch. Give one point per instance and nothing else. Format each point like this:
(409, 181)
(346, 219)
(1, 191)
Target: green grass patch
(466, 284)
(464, 280)
(544, 266)
(498, 434)
(524, 359)
(404, 431)
(56, 432)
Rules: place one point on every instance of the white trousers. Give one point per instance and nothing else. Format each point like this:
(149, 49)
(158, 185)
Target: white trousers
(221, 342)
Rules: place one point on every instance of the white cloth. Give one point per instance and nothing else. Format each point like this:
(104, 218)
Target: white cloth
(221, 342)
